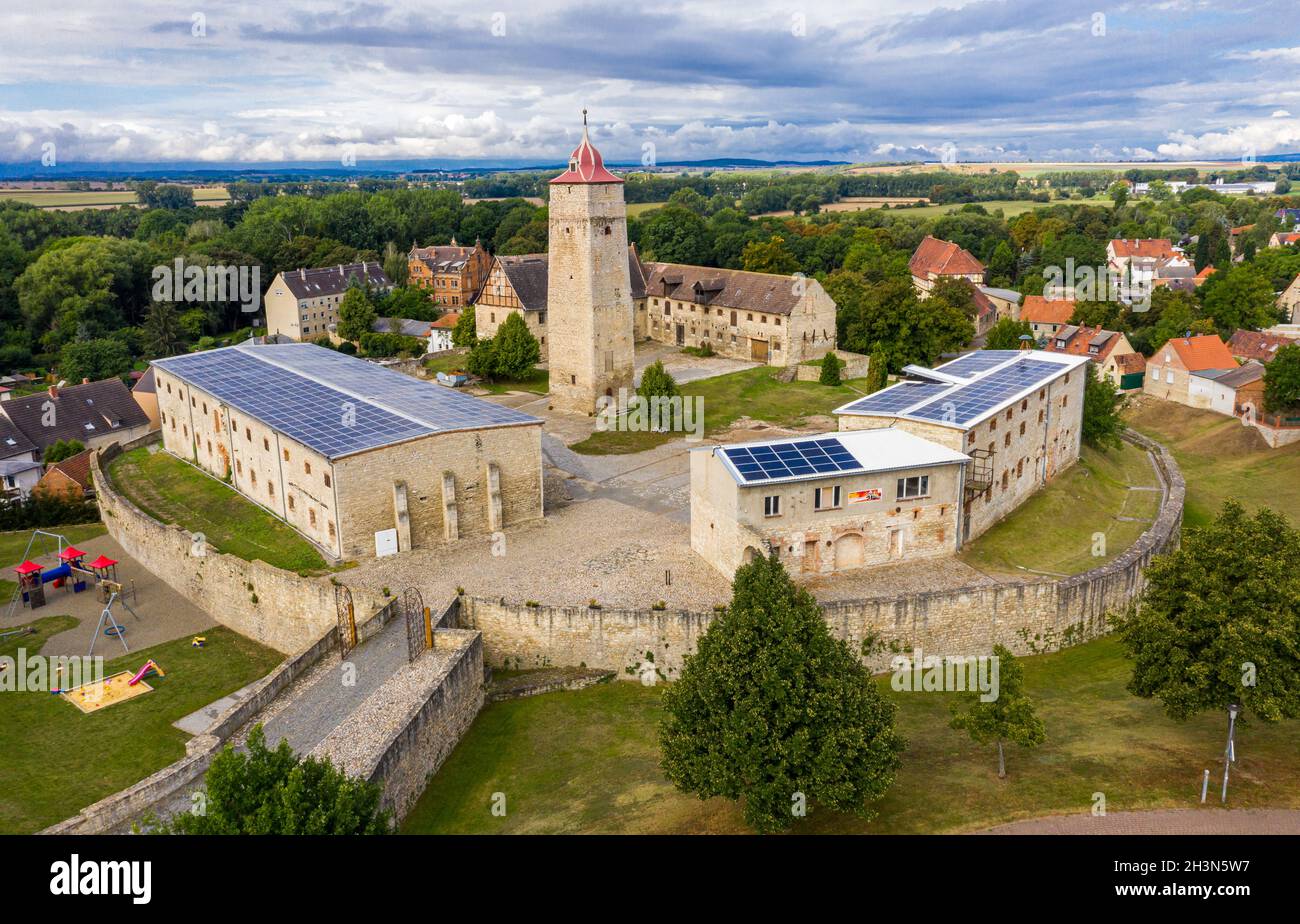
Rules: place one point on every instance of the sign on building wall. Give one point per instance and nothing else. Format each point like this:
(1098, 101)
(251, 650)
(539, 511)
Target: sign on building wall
(385, 543)
(870, 494)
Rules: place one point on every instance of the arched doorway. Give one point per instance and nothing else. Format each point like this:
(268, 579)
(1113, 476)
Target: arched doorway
(849, 552)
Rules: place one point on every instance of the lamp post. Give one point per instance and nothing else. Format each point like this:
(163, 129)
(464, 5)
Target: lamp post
(1230, 753)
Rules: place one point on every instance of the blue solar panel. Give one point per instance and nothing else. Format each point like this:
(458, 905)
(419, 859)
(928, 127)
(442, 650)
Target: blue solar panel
(973, 363)
(897, 398)
(791, 460)
(333, 407)
(968, 402)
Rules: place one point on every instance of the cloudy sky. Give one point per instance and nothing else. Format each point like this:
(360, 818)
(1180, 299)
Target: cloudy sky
(505, 81)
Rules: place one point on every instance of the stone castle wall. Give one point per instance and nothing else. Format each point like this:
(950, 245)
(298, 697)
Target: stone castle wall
(1026, 616)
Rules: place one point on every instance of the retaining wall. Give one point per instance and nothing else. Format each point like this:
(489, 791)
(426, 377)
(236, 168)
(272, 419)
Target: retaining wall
(1027, 616)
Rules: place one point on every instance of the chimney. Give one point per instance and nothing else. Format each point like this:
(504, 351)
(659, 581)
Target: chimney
(302, 274)
(341, 269)
(54, 391)
(85, 381)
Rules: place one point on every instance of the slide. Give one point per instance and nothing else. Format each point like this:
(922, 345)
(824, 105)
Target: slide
(140, 674)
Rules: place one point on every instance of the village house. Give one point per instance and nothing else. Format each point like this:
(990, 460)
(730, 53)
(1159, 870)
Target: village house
(1045, 316)
(143, 393)
(1228, 391)
(1018, 414)
(94, 413)
(360, 460)
(1005, 301)
(304, 303)
(1261, 346)
(14, 444)
(1104, 347)
(935, 260)
(828, 503)
(406, 327)
(1284, 239)
(453, 274)
(1170, 368)
(68, 479)
(18, 477)
(760, 317)
(1135, 264)
(441, 331)
(1289, 301)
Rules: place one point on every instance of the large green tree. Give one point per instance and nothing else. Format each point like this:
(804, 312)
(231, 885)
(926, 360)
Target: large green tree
(773, 711)
(1240, 297)
(1219, 619)
(1006, 334)
(97, 359)
(516, 349)
(273, 791)
(357, 314)
(656, 382)
(1282, 380)
(1102, 403)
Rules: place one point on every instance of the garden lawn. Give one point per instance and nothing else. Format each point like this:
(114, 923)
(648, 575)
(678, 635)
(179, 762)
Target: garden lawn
(588, 761)
(538, 381)
(754, 393)
(58, 760)
(1221, 459)
(1053, 532)
(176, 492)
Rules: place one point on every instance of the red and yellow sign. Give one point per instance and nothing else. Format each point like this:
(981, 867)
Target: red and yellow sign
(870, 494)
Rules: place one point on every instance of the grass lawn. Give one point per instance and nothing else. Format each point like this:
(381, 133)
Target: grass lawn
(176, 492)
(58, 760)
(750, 393)
(1053, 531)
(538, 381)
(1220, 459)
(588, 762)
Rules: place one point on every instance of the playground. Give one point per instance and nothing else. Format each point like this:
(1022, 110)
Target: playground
(146, 610)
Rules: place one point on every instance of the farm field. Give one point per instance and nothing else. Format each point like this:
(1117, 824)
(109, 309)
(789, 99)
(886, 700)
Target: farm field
(58, 760)
(1053, 533)
(588, 762)
(636, 209)
(1220, 459)
(67, 200)
(173, 491)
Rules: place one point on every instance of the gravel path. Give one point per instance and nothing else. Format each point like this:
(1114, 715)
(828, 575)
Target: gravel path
(1164, 821)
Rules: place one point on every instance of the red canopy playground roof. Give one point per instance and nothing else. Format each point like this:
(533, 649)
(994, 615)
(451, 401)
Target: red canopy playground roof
(71, 553)
(103, 561)
(28, 567)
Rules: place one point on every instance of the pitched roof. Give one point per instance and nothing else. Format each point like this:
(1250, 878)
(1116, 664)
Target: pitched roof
(1082, 341)
(144, 385)
(442, 258)
(1287, 238)
(81, 412)
(75, 467)
(407, 327)
(333, 280)
(1144, 247)
(527, 274)
(1204, 351)
(983, 304)
(1130, 362)
(1254, 344)
(1241, 375)
(447, 321)
(942, 258)
(585, 163)
(333, 403)
(13, 442)
(724, 288)
(1042, 310)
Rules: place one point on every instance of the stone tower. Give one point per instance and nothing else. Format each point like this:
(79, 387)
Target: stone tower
(589, 293)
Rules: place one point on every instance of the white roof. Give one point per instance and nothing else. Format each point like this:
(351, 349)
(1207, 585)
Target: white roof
(885, 449)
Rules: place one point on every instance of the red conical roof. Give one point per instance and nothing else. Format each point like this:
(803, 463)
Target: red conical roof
(28, 567)
(71, 553)
(585, 163)
(103, 561)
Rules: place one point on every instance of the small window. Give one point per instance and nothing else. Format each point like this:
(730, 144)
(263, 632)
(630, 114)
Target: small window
(266, 445)
(772, 506)
(311, 515)
(253, 476)
(270, 488)
(248, 434)
(1006, 441)
(916, 486)
(286, 455)
(1022, 428)
(331, 525)
(306, 469)
(826, 498)
(239, 467)
(327, 479)
(1065, 399)
(290, 501)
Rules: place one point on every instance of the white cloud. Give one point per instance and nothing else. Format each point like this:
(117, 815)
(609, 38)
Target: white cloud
(1275, 136)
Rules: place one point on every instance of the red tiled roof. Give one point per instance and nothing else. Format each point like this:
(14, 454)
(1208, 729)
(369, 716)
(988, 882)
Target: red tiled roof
(1041, 310)
(1080, 342)
(1206, 273)
(448, 320)
(942, 258)
(75, 467)
(1287, 238)
(1130, 362)
(585, 163)
(1145, 247)
(1253, 344)
(1204, 351)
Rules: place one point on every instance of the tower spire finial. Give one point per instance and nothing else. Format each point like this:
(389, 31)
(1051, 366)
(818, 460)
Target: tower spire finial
(584, 117)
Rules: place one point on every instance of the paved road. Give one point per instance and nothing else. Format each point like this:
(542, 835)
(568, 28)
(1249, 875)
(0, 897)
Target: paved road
(1165, 821)
(319, 708)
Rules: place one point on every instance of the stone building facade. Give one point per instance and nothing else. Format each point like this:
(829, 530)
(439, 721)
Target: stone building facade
(896, 497)
(453, 274)
(304, 303)
(1021, 425)
(1170, 368)
(757, 317)
(387, 472)
(589, 290)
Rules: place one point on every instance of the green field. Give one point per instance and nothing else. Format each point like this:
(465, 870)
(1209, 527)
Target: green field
(1221, 459)
(754, 393)
(1053, 532)
(538, 382)
(176, 492)
(636, 209)
(588, 762)
(58, 760)
(100, 198)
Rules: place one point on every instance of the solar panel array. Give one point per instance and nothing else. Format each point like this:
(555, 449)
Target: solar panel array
(976, 362)
(965, 403)
(897, 398)
(791, 460)
(323, 411)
